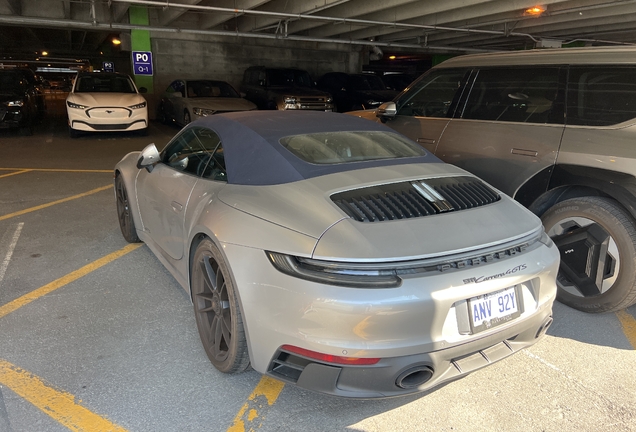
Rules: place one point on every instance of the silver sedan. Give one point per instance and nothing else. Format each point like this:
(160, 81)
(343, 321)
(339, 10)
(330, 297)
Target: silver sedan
(333, 253)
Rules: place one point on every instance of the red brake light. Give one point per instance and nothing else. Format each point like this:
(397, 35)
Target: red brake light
(328, 357)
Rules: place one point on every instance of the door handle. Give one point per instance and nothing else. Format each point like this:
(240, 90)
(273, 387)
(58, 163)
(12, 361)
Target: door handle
(176, 206)
(426, 141)
(522, 152)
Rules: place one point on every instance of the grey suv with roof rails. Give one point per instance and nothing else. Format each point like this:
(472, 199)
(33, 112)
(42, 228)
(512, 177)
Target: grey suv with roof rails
(556, 130)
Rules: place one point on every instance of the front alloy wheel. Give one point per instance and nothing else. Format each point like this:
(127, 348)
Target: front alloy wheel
(216, 310)
(597, 241)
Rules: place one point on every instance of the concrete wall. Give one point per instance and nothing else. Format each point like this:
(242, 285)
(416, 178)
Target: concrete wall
(225, 58)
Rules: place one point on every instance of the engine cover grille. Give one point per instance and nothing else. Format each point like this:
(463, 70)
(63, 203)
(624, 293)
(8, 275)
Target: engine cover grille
(414, 199)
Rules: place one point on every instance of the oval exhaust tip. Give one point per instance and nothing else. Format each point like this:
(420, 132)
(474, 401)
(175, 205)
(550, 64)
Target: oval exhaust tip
(414, 377)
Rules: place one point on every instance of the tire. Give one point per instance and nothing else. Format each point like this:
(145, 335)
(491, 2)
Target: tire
(124, 215)
(162, 117)
(216, 310)
(607, 281)
(186, 118)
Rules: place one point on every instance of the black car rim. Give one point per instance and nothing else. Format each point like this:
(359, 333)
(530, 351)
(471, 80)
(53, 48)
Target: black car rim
(123, 210)
(213, 308)
(590, 260)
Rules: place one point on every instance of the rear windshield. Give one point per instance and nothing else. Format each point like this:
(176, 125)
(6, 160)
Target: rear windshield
(104, 84)
(329, 148)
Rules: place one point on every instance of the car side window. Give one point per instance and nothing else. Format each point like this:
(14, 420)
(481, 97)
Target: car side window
(525, 95)
(177, 86)
(189, 152)
(601, 96)
(432, 95)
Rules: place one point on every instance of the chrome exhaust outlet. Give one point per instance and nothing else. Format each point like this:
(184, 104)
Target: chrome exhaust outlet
(544, 327)
(414, 377)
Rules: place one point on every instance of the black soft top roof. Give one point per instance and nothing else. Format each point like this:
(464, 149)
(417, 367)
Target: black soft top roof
(254, 155)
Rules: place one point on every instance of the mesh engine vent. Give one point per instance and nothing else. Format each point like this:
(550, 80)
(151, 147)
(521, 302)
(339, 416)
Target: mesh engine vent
(414, 199)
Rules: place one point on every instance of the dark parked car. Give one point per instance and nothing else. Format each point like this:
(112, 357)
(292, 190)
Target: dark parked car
(355, 91)
(284, 89)
(398, 81)
(21, 99)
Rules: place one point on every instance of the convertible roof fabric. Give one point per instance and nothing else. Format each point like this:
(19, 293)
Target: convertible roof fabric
(254, 155)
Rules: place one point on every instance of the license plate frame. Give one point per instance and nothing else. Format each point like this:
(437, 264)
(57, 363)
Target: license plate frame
(500, 317)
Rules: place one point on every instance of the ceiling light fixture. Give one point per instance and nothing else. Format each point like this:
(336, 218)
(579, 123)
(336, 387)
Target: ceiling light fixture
(116, 41)
(535, 10)
(45, 53)
(392, 57)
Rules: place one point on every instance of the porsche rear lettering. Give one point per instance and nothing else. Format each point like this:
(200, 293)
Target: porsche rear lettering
(482, 259)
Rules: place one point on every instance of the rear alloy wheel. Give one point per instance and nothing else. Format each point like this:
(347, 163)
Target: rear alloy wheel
(597, 241)
(126, 222)
(216, 310)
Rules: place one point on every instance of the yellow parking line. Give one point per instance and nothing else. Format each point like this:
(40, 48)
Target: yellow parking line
(16, 173)
(57, 404)
(65, 280)
(266, 392)
(57, 170)
(40, 207)
(629, 326)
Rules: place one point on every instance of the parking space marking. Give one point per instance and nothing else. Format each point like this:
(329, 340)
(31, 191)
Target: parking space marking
(263, 396)
(12, 245)
(63, 200)
(65, 280)
(57, 170)
(628, 323)
(59, 405)
(16, 173)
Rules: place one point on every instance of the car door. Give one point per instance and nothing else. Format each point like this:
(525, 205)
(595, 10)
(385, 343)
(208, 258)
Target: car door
(164, 193)
(424, 111)
(510, 128)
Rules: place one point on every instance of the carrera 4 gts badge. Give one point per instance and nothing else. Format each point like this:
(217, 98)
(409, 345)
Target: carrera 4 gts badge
(495, 276)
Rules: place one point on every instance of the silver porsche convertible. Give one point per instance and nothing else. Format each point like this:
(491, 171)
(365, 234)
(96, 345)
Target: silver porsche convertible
(336, 254)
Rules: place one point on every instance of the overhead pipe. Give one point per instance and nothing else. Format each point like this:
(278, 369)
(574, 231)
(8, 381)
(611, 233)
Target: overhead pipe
(82, 25)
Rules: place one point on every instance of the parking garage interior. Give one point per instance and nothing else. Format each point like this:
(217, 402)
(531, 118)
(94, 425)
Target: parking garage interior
(96, 335)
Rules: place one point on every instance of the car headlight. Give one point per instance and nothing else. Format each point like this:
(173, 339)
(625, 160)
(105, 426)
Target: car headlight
(291, 102)
(16, 103)
(329, 100)
(138, 106)
(74, 105)
(201, 112)
(335, 273)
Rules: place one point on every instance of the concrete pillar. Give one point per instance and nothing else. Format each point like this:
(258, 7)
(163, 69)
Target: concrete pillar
(140, 41)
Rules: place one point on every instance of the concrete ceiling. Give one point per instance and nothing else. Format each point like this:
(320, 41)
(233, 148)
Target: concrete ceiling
(76, 26)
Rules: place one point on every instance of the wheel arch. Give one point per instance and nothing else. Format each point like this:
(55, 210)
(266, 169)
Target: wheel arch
(132, 196)
(561, 182)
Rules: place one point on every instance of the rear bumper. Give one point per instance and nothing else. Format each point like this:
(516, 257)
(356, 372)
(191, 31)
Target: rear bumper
(396, 376)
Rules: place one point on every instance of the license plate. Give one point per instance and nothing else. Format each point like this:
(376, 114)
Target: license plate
(493, 309)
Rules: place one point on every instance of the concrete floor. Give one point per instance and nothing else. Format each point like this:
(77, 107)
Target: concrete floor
(121, 343)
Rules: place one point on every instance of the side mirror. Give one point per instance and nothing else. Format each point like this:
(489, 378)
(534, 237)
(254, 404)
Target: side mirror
(243, 94)
(143, 90)
(148, 158)
(177, 95)
(386, 111)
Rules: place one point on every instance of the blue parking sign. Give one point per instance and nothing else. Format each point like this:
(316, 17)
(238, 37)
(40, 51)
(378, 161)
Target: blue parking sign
(142, 62)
